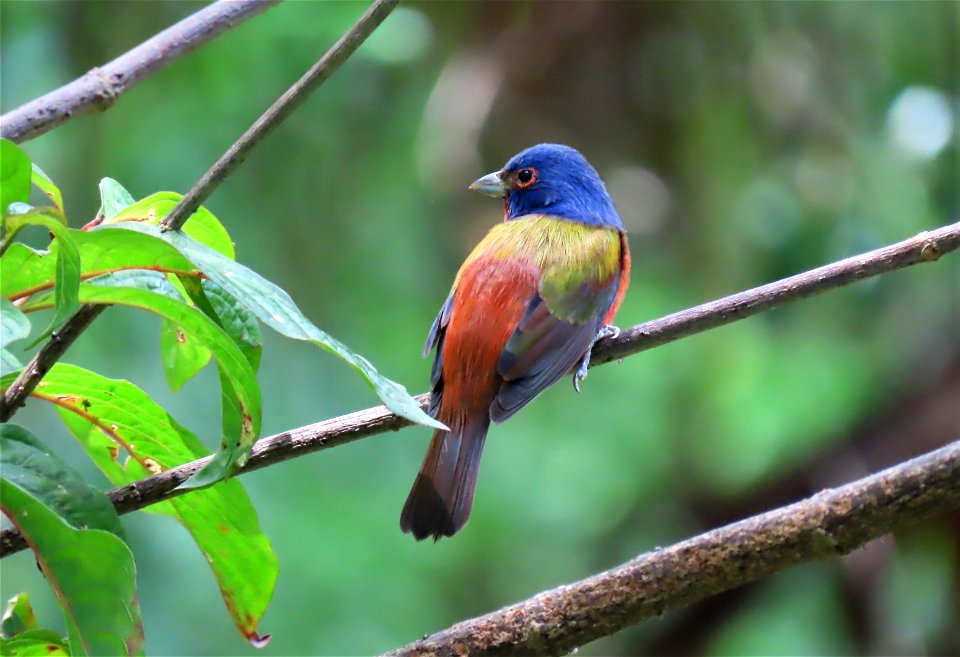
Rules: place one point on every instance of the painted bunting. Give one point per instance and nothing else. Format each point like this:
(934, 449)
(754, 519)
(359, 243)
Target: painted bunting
(526, 307)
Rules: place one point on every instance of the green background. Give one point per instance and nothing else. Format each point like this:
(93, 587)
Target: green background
(742, 142)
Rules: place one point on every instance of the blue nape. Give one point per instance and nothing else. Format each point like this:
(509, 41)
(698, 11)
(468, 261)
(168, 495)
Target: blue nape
(567, 187)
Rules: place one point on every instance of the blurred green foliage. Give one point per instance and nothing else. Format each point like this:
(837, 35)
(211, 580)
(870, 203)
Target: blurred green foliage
(742, 142)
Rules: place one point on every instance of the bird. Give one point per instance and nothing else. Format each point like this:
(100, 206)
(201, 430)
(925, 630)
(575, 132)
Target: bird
(525, 308)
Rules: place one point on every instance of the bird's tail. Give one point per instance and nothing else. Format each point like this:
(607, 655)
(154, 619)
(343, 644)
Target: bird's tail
(442, 496)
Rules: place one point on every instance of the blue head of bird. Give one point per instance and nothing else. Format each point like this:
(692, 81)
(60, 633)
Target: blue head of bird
(555, 180)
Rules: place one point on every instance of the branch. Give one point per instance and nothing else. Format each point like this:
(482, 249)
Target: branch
(99, 89)
(278, 112)
(833, 522)
(15, 396)
(924, 247)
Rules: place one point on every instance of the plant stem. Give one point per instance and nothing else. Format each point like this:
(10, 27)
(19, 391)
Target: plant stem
(278, 112)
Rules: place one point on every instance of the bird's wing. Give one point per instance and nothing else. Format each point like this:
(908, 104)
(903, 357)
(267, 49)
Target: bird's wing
(577, 289)
(435, 339)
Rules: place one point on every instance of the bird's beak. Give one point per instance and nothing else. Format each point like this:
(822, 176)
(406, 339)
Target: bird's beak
(491, 185)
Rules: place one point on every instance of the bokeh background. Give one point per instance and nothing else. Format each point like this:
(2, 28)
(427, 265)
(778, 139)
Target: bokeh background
(742, 142)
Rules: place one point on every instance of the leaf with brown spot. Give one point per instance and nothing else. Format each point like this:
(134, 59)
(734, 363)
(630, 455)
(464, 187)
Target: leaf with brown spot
(119, 415)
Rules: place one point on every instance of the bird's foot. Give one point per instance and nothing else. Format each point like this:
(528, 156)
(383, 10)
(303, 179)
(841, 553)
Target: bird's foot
(581, 372)
(606, 331)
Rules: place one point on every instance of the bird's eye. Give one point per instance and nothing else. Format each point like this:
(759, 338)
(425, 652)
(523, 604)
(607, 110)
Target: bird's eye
(526, 177)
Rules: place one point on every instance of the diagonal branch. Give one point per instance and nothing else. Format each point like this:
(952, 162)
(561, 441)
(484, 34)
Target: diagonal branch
(278, 112)
(831, 523)
(15, 396)
(98, 89)
(925, 247)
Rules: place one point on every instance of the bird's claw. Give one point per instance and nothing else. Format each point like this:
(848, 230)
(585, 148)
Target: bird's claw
(581, 372)
(606, 331)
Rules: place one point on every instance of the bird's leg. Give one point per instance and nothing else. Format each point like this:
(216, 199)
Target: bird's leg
(606, 331)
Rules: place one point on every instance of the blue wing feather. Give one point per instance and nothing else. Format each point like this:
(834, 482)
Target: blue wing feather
(438, 326)
(435, 339)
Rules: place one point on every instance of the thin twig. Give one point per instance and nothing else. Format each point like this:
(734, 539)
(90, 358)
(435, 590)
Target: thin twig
(831, 523)
(16, 395)
(278, 112)
(99, 89)
(924, 247)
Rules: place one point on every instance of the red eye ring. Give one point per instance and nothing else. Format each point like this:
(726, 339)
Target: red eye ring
(526, 177)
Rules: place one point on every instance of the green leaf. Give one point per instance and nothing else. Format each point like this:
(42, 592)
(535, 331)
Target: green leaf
(202, 225)
(21, 263)
(181, 354)
(8, 362)
(243, 328)
(91, 572)
(14, 175)
(113, 198)
(25, 271)
(183, 357)
(237, 320)
(235, 448)
(14, 325)
(139, 278)
(35, 643)
(192, 290)
(21, 636)
(274, 307)
(45, 185)
(18, 617)
(67, 264)
(136, 278)
(26, 462)
(107, 415)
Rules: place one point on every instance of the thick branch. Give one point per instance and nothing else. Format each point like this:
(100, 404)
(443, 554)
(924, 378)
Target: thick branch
(278, 112)
(347, 428)
(98, 89)
(831, 523)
